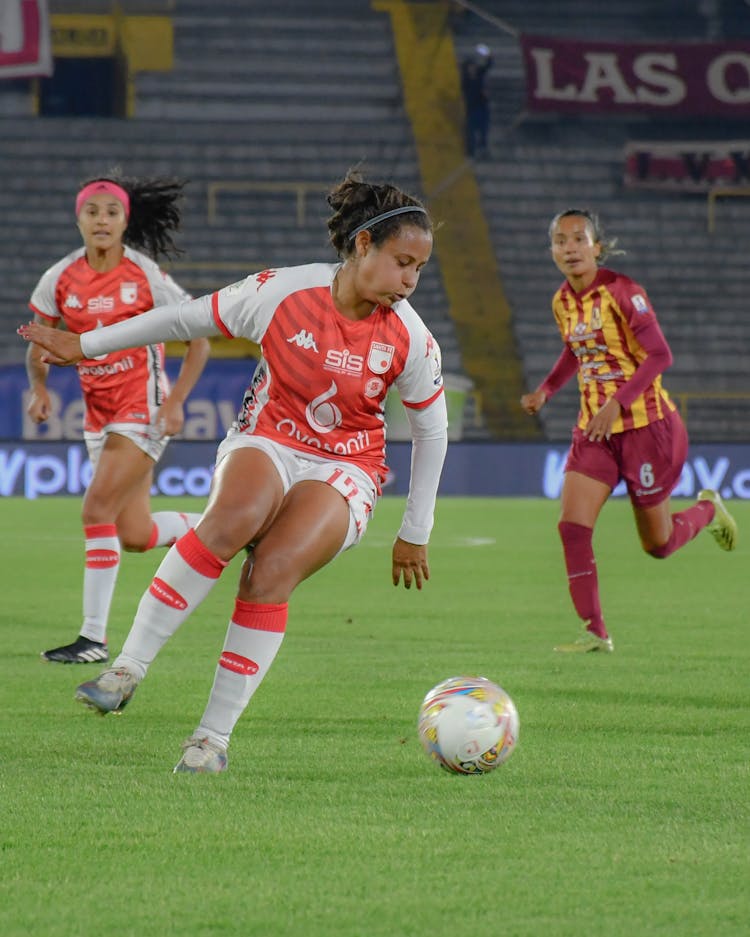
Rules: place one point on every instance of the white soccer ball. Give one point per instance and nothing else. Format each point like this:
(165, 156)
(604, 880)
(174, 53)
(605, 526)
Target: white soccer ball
(468, 725)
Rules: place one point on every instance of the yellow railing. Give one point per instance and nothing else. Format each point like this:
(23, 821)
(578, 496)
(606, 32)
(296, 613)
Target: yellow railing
(684, 398)
(300, 190)
(221, 347)
(719, 191)
(205, 276)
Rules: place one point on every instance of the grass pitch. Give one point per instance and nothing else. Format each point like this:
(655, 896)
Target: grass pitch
(623, 811)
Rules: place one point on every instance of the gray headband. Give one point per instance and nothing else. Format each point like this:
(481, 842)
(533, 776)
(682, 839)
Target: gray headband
(386, 214)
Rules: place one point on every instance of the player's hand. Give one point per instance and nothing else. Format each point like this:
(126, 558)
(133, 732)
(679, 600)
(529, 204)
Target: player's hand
(410, 561)
(60, 348)
(532, 403)
(601, 423)
(170, 417)
(39, 407)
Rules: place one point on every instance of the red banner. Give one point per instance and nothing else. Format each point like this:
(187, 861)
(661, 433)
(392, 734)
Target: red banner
(25, 48)
(695, 166)
(695, 78)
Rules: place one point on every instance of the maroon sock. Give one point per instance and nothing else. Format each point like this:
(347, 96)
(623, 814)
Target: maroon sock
(685, 525)
(583, 581)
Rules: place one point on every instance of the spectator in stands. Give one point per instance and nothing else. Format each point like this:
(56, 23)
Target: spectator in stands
(628, 428)
(130, 410)
(476, 101)
(300, 472)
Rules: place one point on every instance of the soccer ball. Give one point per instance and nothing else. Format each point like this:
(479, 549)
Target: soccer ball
(468, 725)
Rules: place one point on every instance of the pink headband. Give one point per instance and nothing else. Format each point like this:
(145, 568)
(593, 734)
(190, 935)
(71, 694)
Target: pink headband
(99, 187)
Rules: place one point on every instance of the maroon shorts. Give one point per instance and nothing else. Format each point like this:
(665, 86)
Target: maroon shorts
(649, 459)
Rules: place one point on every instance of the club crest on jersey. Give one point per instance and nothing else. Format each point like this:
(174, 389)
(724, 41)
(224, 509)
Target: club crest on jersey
(380, 357)
(596, 317)
(639, 302)
(128, 293)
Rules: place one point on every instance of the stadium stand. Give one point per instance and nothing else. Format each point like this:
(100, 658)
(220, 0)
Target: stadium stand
(697, 279)
(262, 112)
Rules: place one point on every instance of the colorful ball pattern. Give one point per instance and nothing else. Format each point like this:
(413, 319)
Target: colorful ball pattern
(468, 725)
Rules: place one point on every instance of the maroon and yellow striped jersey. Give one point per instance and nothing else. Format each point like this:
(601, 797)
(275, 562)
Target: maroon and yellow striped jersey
(600, 326)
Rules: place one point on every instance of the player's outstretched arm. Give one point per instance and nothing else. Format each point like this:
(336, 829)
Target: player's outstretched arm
(60, 348)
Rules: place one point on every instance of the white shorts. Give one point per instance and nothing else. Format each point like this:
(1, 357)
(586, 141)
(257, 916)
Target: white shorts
(349, 480)
(144, 435)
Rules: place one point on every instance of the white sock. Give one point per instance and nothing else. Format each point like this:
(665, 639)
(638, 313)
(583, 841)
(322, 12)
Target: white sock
(253, 640)
(99, 578)
(184, 578)
(169, 526)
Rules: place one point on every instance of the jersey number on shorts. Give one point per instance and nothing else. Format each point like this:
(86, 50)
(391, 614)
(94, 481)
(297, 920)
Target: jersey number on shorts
(343, 484)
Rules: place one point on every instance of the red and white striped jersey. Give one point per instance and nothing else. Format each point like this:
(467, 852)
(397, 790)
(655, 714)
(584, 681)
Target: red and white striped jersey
(322, 381)
(124, 386)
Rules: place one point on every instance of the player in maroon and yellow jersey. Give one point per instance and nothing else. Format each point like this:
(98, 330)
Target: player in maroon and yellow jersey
(628, 427)
(300, 473)
(130, 410)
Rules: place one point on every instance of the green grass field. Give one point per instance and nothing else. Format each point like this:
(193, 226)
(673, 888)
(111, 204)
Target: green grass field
(622, 813)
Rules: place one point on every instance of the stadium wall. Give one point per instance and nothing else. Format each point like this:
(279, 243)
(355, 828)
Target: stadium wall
(34, 469)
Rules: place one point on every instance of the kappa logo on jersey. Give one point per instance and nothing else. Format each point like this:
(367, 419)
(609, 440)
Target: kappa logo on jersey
(128, 293)
(101, 304)
(263, 277)
(380, 357)
(639, 302)
(304, 340)
(72, 301)
(343, 362)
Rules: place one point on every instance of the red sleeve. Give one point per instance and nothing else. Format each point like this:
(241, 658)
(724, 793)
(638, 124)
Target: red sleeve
(658, 359)
(562, 371)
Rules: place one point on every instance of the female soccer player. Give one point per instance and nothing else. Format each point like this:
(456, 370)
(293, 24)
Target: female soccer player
(130, 410)
(299, 473)
(628, 428)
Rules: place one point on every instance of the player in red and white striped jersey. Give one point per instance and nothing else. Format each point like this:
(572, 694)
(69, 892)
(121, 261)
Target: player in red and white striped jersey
(628, 428)
(130, 410)
(300, 472)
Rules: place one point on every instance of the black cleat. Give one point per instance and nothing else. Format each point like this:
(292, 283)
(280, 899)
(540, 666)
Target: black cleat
(81, 651)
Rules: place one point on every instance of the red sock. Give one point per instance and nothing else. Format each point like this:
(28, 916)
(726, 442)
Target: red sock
(685, 525)
(583, 581)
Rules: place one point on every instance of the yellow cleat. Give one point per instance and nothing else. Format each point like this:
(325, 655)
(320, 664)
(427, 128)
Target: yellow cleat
(723, 528)
(588, 641)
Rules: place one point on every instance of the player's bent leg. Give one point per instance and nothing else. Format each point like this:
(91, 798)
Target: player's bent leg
(662, 533)
(309, 530)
